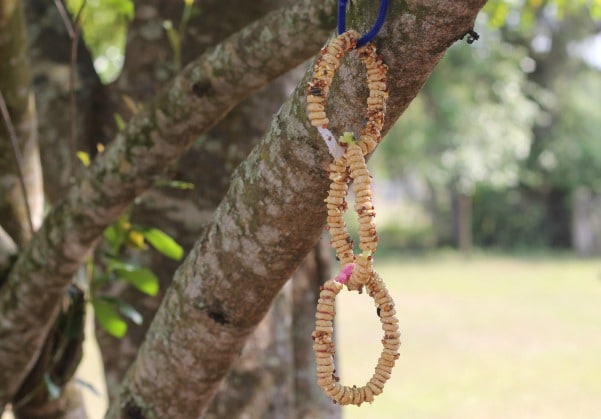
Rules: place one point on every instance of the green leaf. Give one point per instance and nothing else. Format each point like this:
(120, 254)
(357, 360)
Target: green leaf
(84, 158)
(127, 310)
(596, 10)
(109, 318)
(141, 278)
(54, 391)
(120, 122)
(163, 243)
(111, 235)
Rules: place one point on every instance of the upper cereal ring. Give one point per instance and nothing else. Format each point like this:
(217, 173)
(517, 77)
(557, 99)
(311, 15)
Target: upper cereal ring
(325, 67)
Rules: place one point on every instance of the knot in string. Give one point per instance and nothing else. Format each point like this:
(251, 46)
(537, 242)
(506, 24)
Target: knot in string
(371, 34)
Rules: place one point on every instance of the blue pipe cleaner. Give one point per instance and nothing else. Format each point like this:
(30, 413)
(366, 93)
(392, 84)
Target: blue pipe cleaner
(373, 32)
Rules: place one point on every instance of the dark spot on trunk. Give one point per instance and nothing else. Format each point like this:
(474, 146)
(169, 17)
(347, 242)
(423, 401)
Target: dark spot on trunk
(202, 88)
(132, 411)
(218, 316)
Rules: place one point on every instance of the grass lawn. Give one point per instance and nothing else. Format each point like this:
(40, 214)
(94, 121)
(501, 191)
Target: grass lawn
(490, 337)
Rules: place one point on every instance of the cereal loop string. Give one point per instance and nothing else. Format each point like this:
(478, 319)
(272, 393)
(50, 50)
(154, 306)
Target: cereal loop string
(357, 270)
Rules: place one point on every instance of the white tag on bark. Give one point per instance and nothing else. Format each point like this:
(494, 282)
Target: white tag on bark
(334, 148)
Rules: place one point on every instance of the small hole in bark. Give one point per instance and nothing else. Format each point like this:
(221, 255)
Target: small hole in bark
(132, 411)
(202, 88)
(218, 317)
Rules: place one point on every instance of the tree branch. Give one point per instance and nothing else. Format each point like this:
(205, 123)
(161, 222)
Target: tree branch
(270, 218)
(204, 92)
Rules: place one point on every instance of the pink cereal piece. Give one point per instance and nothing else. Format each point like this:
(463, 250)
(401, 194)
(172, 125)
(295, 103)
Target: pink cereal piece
(345, 273)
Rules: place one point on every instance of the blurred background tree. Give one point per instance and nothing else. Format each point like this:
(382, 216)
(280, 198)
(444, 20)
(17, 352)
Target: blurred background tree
(497, 145)
(502, 139)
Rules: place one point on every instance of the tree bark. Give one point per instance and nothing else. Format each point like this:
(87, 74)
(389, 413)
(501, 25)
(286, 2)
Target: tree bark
(270, 218)
(204, 92)
(273, 378)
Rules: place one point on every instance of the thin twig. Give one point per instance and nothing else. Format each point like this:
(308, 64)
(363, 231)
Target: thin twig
(18, 158)
(65, 17)
(74, 32)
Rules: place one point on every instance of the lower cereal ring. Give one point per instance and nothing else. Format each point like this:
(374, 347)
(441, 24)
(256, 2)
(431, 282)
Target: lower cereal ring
(324, 347)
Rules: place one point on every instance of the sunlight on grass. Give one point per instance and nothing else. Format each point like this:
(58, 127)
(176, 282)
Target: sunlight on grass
(489, 337)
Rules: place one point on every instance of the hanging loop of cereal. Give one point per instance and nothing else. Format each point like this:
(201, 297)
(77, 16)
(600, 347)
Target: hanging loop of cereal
(349, 165)
(323, 343)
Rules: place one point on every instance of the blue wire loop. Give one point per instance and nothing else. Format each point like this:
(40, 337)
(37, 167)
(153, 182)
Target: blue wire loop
(371, 34)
